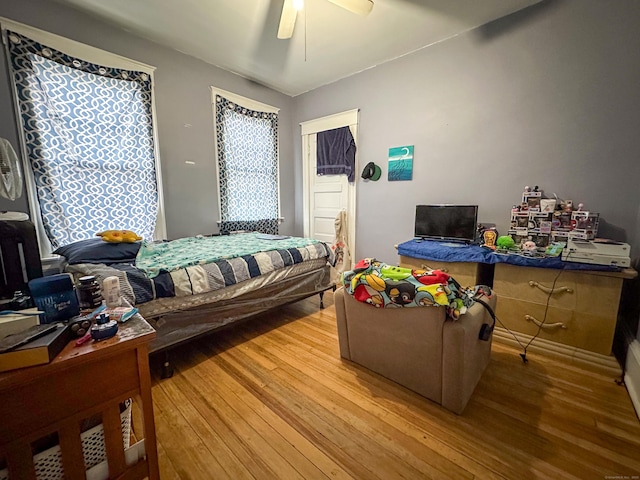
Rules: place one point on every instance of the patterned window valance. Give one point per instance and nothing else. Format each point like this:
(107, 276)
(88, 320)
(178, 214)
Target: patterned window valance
(89, 137)
(247, 143)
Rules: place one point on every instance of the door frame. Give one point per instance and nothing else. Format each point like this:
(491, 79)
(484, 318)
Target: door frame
(350, 119)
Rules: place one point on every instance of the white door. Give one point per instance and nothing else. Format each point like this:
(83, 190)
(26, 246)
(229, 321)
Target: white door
(328, 195)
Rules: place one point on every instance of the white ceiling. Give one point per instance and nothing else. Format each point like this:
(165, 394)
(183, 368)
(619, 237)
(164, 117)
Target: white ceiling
(329, 43)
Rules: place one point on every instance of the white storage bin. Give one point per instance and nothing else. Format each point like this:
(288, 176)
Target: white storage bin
(48, 463)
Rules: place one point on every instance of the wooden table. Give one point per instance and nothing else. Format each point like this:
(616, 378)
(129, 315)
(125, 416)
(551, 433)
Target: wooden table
(79, 383)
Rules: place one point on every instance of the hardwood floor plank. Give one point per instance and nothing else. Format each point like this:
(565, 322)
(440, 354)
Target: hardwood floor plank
(186, 451)
(289, 343)
(310, 420)
(271, 398)
(209, 436)
(391, 439)
(424, 436)
(169, 472)
(219, 421)
(215, 398)
(290, 446)
(251, 405)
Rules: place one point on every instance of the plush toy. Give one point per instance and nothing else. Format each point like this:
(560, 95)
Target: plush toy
(529, 246)
(430, 277)
(119, 236)
(506, 242)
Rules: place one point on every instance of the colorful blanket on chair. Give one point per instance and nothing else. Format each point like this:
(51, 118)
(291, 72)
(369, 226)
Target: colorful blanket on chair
(387, 286)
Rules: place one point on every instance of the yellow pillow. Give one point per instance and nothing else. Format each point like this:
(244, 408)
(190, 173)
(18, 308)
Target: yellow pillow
(119, 236)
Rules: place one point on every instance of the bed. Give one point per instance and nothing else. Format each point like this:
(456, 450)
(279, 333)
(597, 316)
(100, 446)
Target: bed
(193, 286)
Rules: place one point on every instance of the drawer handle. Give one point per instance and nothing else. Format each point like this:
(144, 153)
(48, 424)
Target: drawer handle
(547, 326)
(550, 290)
(427, 267)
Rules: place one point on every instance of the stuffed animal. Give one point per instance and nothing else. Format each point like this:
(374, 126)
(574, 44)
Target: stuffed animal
(119, 236)
(506, 242)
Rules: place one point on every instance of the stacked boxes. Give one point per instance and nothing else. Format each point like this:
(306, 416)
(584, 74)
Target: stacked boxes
(540, 222)
(529, 222)
(543, 221)
(584, 225)
(531, 201)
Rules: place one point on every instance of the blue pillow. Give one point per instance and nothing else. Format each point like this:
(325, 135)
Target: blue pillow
(96, 250)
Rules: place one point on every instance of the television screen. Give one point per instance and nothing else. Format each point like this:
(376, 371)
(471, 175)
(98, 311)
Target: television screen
(447, 222)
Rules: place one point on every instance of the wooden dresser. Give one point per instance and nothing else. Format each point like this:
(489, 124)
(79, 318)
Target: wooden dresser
(580, 320)
(78, 384)
(582, 305)
(466, 273)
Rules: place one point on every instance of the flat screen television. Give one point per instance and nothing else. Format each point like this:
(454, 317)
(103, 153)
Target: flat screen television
(447, 222)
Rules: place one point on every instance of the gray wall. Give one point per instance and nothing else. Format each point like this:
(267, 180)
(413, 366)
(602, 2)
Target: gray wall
(182, 97)
(548, 96)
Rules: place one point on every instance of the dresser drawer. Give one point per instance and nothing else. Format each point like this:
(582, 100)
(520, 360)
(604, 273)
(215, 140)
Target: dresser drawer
(584, 330)
(465, 273)
(593, 294)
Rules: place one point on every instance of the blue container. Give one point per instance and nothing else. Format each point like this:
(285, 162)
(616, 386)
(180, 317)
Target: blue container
(55, 296)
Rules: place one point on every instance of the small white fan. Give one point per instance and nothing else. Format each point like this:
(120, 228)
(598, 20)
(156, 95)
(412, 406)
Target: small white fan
(291, 7)
(10, 174)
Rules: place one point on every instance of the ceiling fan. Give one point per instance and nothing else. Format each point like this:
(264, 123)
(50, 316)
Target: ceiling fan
(291, 7)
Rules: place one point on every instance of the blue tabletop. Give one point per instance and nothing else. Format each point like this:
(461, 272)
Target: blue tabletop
(452, 252)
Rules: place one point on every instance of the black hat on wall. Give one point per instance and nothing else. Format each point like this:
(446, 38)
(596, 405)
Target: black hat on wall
(371, 172)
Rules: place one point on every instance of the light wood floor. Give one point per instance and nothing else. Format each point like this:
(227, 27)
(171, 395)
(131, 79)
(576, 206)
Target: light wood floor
(271, 398)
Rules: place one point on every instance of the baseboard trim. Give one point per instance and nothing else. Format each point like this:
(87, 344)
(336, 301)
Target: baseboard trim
(632, 374)
(606, 364)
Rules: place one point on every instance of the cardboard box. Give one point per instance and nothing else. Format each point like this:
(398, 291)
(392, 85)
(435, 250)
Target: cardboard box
(559, 235)
(540, 222)
(519, 236)
(541, 240)
(585, 221)
(532, 200)
(519, 220)
(548, 205)
(561, 221)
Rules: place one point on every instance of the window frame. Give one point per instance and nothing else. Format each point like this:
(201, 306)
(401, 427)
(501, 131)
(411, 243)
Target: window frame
(92, 55)
(251, 105)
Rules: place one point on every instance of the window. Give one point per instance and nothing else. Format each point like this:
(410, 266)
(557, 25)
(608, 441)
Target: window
(89, 141)
(247, 154)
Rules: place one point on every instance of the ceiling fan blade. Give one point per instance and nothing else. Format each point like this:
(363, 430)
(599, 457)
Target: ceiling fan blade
(361, 7)
(287, 19)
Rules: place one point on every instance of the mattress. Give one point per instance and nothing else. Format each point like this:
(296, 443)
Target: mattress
(197, 278)
(180, 320)
(162, 306)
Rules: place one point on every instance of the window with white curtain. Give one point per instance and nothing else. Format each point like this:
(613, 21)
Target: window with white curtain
(89, 141)
(247, 154)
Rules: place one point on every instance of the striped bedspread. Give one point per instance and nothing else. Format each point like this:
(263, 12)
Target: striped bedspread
(138, 287)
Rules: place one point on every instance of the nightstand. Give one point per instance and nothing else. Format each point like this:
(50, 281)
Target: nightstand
(82, 382)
